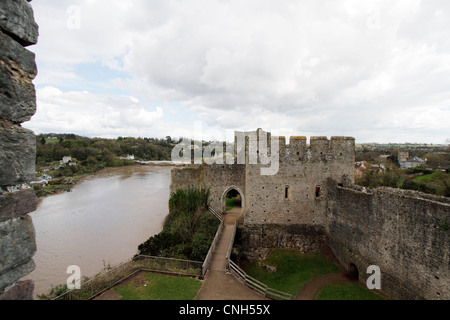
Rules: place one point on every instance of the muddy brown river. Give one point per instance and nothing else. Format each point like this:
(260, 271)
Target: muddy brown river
(101, 222)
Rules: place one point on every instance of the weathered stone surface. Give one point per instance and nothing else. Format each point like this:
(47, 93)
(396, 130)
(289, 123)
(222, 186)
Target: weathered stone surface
(17, 247)
(305, 238)
(269, 269)
(17, 154)
(11, 50)
(400, 231)
(17, 20)
(17, 92)
(17, 95)
(16, 204)
(22, 291)
(288, 197)
(16, 273)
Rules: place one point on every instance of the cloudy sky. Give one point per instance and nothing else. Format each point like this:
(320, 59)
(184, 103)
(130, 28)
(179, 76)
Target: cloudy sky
(375, 70)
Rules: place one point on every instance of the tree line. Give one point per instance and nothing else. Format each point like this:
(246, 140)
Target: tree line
(99, 152)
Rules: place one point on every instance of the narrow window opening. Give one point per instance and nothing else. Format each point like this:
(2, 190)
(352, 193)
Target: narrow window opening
(317, 191)
(286, 193)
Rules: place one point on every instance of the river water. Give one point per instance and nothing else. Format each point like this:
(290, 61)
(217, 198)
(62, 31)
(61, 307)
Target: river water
(102, 221)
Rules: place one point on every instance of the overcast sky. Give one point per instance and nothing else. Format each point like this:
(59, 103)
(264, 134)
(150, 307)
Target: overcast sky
(375, 70)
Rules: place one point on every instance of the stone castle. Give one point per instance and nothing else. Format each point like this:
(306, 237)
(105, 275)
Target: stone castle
(309, 203)
(312, 203)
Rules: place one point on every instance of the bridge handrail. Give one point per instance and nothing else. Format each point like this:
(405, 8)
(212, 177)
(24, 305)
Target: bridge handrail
(215, 213)
(212, 248)
(256, 284)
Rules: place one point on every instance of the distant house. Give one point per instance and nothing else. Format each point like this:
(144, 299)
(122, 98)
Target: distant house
(128, 157)
(413, 162)
(406, 162)
(42, 180)
(360, 166)
(66, 160)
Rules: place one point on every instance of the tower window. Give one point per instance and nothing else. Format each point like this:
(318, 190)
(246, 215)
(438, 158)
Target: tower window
(317, 191)
(286, 193)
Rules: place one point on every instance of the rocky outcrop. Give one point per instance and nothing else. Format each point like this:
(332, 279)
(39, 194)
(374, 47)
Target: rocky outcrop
(16, 204)
(17, 148)
(18, 154)
(17, 70)
(17, 20)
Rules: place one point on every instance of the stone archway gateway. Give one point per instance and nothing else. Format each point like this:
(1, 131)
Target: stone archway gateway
(224, 196)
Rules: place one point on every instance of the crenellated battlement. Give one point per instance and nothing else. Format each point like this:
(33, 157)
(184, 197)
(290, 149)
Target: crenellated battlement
(249, 145)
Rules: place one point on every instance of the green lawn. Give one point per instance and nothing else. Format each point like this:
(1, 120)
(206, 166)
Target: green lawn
(161, 287)
(230, 203)
(50, 140)
(348, 291)
(293, 269)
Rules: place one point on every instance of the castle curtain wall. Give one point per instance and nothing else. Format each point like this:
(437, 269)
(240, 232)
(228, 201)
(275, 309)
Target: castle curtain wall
(402, 232)
(219, 178)
(312, 202)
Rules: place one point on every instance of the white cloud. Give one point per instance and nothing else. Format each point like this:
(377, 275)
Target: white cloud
(322, 67)
(94, 115)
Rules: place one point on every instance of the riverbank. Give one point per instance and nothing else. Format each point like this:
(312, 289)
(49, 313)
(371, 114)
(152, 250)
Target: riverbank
(100, 223)
(64, 184)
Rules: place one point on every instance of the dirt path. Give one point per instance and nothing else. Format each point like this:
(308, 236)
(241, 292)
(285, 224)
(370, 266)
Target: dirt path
(311, 288)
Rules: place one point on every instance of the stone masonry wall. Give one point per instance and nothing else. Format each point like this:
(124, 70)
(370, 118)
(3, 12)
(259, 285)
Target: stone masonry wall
(289, 197)
(17, 148)
(219, 178)
(405, 233)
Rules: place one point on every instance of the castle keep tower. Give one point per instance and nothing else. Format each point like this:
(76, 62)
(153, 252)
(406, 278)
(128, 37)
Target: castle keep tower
(286, 203)
(296, 193)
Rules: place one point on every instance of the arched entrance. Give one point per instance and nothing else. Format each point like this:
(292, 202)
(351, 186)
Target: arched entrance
(353, 272)
(232, 199)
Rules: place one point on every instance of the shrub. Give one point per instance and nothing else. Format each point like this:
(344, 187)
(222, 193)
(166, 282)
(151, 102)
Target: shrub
(188, 229)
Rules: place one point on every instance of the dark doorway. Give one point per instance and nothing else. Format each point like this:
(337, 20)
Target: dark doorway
(353, 272)
(233, 200)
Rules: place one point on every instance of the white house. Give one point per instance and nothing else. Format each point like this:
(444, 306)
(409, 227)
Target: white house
(66, 160)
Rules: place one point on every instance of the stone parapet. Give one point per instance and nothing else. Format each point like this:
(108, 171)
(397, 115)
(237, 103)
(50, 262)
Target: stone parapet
(17, 148)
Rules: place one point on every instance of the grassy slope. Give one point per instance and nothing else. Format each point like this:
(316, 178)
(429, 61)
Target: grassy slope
(293, 269)
(161, 287)
(347, 291)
